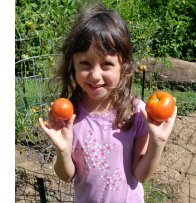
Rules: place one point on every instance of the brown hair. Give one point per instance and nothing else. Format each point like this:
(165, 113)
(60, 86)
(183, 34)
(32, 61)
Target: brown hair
(110, 33)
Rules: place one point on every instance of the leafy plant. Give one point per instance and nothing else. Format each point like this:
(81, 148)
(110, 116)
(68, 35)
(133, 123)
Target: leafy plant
(160, 28)
(176, 35)
(40, 28)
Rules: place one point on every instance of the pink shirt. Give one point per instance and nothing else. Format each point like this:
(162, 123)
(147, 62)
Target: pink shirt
(103, 159)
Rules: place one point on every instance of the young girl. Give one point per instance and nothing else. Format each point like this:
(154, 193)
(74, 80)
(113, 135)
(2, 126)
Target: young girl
(110, 145)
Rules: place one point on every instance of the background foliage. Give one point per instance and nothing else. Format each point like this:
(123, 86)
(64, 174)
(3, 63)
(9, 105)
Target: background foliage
(158, 28)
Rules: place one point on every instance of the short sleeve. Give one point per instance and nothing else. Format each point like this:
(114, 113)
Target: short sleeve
(140, 121)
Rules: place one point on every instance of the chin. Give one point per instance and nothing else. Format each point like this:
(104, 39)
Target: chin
(99, 97)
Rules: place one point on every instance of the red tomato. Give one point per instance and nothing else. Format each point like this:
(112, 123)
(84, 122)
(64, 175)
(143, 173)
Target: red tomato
(160, 106)
(62, 108)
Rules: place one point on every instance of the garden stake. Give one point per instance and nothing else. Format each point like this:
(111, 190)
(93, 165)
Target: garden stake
(40, 182)
(143, 83)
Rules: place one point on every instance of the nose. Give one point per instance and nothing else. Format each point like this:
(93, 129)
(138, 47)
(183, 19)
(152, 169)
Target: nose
(95, 74)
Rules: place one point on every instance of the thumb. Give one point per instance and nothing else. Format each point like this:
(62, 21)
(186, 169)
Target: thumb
(147, 118)
(71, 121)
(144, 113)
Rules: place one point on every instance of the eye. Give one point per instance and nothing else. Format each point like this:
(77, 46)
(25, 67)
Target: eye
(107, 65)
(86, 63)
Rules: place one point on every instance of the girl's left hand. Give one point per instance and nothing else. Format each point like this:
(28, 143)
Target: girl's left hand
(160, 131)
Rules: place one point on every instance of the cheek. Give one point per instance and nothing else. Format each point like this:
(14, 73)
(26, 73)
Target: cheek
(113, 79)
(117, 79)
(80, 77)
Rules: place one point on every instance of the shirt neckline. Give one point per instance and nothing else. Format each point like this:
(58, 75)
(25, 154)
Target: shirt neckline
(98, 114)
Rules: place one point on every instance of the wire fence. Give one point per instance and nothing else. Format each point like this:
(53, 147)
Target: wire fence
(33, 94)
(38, 187)
(32, 76)
(33, 98)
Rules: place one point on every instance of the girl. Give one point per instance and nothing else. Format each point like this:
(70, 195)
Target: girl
(110, 146)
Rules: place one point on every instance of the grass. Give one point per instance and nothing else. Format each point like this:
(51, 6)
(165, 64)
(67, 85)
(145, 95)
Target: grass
(186, 101)
(31, 93)
(157, 193)
(33, 99)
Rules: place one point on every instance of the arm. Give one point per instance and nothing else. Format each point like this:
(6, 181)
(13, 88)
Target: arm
(149, 148)
(64, 166)
(61, 135)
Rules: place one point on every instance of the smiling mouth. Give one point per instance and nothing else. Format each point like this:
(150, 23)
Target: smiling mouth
(96, 87)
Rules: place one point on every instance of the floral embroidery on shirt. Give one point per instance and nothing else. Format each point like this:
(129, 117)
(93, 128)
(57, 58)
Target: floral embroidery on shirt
(93, 156)
(112, 180)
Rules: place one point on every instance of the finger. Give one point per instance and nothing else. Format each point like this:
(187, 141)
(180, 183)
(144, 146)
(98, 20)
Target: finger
(43, 126)
(173, 117)
(175, 112)
(71, 121)
(148, 118)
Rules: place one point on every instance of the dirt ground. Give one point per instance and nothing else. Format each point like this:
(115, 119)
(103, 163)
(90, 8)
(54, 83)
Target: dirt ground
(177, 168)
(178, 163)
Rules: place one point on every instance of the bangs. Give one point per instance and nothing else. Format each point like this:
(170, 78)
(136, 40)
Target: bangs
(99, 33)
(105, 43)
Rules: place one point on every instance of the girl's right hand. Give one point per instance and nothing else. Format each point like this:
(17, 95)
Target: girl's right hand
(59, 131)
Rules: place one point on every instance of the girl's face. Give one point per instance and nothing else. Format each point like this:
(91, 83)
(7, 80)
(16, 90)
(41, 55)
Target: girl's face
(96, 73)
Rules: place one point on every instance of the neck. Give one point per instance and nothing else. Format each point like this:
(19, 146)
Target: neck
(96, 106)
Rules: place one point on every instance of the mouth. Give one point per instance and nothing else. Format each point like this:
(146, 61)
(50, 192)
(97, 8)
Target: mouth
(96, 87)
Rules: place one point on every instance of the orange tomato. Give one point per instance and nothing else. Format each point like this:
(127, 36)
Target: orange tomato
(62, 108)
(160, 106)
(46, 123)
